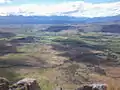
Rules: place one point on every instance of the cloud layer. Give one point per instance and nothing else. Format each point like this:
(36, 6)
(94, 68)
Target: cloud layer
(77, 9)
(5, 1)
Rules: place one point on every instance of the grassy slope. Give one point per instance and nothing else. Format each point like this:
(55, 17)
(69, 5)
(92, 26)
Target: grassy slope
(59, 59)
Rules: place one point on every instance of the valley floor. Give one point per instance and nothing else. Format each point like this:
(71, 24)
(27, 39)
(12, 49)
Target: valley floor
(66, 58)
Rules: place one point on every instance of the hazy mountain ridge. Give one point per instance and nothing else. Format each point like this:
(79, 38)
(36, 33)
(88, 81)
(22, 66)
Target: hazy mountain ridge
(53, 19)
(57, 24)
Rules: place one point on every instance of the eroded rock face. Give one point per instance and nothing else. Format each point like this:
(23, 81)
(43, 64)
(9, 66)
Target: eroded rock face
(26, 84)
(94, 87)
(4, 84)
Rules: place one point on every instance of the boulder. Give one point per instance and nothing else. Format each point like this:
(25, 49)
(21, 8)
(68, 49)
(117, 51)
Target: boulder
(93, 87)
(26, 84)
(99, 86)
(4, 84)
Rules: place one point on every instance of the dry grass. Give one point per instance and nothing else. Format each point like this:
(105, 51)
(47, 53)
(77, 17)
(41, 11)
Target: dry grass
(113, 83)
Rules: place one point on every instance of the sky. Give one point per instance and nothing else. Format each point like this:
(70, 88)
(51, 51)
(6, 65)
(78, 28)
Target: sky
(19, 2)
(77, 8)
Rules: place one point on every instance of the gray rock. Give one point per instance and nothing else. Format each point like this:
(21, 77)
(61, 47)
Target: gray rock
(93, 87)
(99, 86)
(26, 84)
(4, 84)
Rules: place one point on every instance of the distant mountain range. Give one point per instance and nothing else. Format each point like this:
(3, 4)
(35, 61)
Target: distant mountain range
(71, 12)
(54, 19)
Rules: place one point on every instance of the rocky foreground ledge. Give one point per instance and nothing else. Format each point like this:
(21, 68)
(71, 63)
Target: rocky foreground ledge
(24, 84)
(31, 84)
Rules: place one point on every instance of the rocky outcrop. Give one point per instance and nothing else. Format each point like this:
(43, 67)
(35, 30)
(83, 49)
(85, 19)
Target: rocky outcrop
(31, 84)
(26, 84)
(93, 87)
(4, 84)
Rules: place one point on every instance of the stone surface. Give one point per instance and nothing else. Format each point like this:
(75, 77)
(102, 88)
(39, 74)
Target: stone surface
(93, 87)
(4, 84)
(26, 84)
(99, 86)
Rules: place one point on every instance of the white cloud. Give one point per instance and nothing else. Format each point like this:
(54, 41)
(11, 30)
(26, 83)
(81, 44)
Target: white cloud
(78, 9)
(5, 1)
